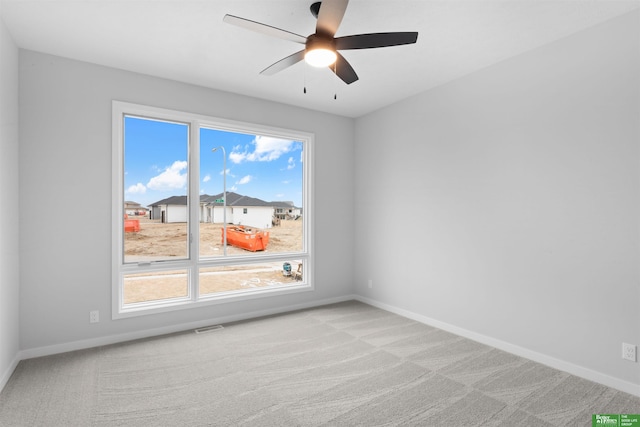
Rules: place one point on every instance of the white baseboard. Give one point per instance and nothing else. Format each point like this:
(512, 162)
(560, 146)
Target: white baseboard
(573, 369)
(114, 339)
(4, 379)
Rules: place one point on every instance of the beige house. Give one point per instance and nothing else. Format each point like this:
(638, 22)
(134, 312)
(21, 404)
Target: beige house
(134, 209)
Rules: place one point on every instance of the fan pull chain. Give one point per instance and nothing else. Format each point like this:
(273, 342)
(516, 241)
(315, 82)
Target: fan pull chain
(304, 90)
(335, 71)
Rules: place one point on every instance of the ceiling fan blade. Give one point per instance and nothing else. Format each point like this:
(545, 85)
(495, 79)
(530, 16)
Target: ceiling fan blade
(283, 63)
(369, 41)
(330, 16)
(344, 70)
(264, 29)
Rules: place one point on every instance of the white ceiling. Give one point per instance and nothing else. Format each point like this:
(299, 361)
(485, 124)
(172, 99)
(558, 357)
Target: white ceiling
(186, 40)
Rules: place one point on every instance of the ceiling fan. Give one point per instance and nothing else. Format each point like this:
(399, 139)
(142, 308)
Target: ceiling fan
(321, 48)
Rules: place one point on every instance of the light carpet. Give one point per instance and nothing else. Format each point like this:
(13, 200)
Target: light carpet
(346, 364)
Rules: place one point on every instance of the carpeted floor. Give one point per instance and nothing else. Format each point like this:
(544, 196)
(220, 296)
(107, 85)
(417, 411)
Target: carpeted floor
(347, 364)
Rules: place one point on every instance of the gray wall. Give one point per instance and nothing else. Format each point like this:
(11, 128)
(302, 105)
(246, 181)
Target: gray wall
(65, 188)
(9, 218)
(518, 186)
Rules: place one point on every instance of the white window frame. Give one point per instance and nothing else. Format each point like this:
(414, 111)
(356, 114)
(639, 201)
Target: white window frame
(194, 263)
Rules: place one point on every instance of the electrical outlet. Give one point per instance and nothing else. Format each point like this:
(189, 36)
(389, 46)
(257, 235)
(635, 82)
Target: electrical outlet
(94, 316)
(370, 283)
(629, 352)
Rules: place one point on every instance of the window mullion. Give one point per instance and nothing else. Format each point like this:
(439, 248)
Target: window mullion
(194, 208)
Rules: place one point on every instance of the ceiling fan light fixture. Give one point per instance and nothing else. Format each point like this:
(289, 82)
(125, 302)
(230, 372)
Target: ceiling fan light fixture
(320, 51)
(321, 48)
(320, 57)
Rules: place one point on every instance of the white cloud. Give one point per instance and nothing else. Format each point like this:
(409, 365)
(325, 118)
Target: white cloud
(172, 178)
(229, 174)
(139, 188)
(291, 163)
(237, 157)
(244, 180)
(233, 188)
(265, 149)
(206, 178)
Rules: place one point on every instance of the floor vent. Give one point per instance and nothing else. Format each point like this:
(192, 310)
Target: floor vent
(209, 329)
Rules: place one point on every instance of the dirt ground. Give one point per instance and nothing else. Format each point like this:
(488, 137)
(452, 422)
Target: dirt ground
(161, 241)
(157, 241)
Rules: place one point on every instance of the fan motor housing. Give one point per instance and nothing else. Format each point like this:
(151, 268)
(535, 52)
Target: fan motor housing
(315, 41)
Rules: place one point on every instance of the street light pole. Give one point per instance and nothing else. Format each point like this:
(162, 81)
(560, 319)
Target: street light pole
(224, 196)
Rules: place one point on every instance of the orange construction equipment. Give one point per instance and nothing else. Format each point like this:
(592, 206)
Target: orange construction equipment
(246, 238)
(131, 225)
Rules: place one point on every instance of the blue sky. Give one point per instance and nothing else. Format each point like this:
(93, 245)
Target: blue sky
(257, 166)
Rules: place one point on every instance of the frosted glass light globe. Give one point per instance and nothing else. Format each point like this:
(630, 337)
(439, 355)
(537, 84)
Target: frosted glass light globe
(320, 57)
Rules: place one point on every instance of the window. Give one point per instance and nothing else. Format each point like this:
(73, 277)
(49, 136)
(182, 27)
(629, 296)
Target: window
(198, 210)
